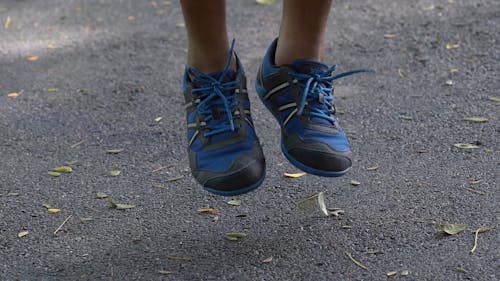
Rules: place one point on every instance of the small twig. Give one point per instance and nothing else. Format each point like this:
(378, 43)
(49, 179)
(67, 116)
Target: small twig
(476, 191)
(159, 186)
(160, 168)
(476, 235)
(62, 224)
(175, 178)
(77, 144)
(355, 261)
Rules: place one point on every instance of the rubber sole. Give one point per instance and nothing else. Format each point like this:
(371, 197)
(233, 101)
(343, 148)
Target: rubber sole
(238, 191)
(261, 91)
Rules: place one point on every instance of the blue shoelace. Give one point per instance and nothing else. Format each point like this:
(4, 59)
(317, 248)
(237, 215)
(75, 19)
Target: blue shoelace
(318, 89)
(215, 95)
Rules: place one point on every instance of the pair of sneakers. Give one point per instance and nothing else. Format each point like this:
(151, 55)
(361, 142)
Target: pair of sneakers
(225, 155)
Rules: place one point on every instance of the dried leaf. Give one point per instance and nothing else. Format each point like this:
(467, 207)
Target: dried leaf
(73, 162)
(181, 25)
(86, 219)
(165, 272)
(54, 174)
(120, 206)
(234, 202)
(235, 236)
(115, 173)
(268, 260)
(429, 8)
(51, 46)
(63, 169)
(13, 194)
(372, 168)
(452, 46)
(54, 210)
(307, 203)
(335, 211)
(405, 273)
(8, 22)
(476, 119)
(392, 273)
(131, 18)
(101, 195)
(405, 117)
(493, 98)
(158, 119)
(451, 229)
(22, 234)
(265, 2)
(294, 175)
(321, 203)
(13, 95)
(115, 151)
(449, 83)
(355, 182)
(211, 211)
(390, 35)
(402, 74)
(175, 178)
(474, 181)
(32, 58)
(52, 90)
(476, 234)
(465, 146)
(46, 205)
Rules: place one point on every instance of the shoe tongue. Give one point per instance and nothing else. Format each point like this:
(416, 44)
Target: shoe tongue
(308, 66)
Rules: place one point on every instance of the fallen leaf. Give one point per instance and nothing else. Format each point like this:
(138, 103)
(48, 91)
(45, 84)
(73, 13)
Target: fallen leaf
(451, 229)
(120, 206)
(211, 211)
(454, 70)
(174, 258)
(46, 205)
(52, 90)
(115, 151)
(405, 117)
(429, 8)
(73, 162)
(355, 182)
(452, 46)
(390, 35)
(306, 204)
(158, 119)
(101, 195)
(54, 174)
(8, 22)
(372, 168)
(53, 210)
(335, 211)
(131, 18)
(115, 173)
(294, 175)
(63, 169)
(402, 74)
(268, 260)
(181, 25)
(86, 219)
(476, 234)
(465, 146)
(165, 272)
(493, 98)
(449, 83)
(265, 2)
(392, 273)
(13, 95)
(235, 236)
(474, 181)
(405, 273)
(234, 202)
(13, 194)
(32, 58)
(321, 203)
(51, 46)
(22, 234)
(476, 119)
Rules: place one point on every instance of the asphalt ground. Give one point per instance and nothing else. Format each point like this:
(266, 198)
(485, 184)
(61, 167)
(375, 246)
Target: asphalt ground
(114, 67)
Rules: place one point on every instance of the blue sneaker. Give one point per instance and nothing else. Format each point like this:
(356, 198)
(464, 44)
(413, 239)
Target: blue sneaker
(300, 96)
(225, 156)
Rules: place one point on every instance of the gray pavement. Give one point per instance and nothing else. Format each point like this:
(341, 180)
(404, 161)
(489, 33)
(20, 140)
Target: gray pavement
(116, 67)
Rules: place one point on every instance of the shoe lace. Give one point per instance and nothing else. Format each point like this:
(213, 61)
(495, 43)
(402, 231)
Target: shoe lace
(216, 95)
(318, 90)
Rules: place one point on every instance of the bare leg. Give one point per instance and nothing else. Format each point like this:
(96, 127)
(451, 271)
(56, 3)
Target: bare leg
(302, 30)
(207, 35)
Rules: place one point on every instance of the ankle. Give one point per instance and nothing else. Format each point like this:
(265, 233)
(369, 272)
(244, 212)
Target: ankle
(288, 52)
